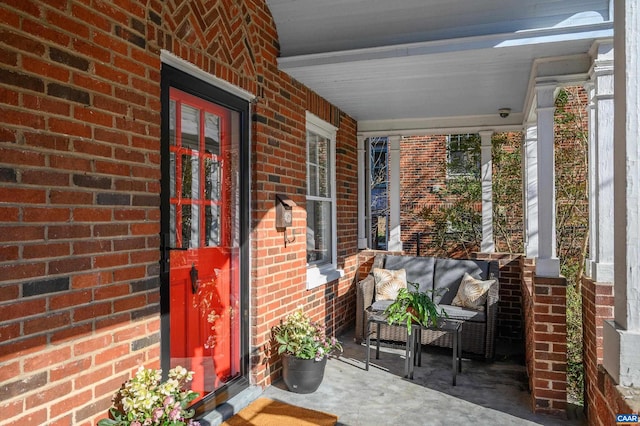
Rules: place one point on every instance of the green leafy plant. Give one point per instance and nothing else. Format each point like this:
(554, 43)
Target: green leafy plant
(299, 336)
(146, 400)
(413, 307)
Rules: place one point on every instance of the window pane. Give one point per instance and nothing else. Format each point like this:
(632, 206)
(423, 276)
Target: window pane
(319, 232)
(318, 166)
(190, 227)
(190, 177)
(190, 127)
(172, 123)
(312, 151)
(463, 155)
(212, 226)
(172, 225)
(212, 180)
(324, 184)
(211, 134)
(312, 187)
(172, 175)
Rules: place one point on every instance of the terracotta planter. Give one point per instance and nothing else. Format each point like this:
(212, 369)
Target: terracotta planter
(302, 375)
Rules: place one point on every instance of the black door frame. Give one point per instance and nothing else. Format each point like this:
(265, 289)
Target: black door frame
(172, 77)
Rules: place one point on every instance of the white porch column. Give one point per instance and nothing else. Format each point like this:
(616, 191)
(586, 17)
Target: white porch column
(487, 245)
(600, 263)
(362, 190)
(395, 241)
(530, 183)
(622, 336)
(592, 187)
(547, 264)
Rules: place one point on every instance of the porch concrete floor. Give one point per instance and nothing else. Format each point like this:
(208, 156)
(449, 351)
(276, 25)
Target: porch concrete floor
(486, 393)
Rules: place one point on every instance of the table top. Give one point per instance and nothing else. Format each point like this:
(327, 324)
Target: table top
(444, 324)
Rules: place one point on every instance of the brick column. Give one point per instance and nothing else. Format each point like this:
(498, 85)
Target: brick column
(544, 301)
(597, 306)
(550, 341)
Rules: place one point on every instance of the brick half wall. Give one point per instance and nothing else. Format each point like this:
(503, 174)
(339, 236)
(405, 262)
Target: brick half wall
(510, 318)
(544, 305)
(603, 398)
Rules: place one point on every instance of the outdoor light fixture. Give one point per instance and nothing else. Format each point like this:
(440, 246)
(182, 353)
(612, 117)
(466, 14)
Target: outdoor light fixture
(504, 112)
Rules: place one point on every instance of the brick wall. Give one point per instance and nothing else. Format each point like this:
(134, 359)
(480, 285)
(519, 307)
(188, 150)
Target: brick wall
(510, 316)
(423, 174)
(423, 162)
(603, 399)
(79, 194)
(544, 302)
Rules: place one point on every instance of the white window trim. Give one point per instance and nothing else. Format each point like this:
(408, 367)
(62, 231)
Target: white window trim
(320, 275)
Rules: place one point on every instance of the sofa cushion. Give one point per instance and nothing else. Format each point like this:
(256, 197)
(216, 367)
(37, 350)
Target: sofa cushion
(381, 305)
(449, 272)
(419, 269)
(388, 283)
(472, 292)
(464, 314)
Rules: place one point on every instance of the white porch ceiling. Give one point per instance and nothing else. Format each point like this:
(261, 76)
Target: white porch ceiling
(414, 65)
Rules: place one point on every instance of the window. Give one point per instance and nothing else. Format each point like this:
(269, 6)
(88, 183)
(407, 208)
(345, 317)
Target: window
(378, 195)
(321, 203)
(463, 155)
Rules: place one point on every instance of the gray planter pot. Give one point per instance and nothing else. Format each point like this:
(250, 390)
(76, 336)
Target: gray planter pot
(302, 375)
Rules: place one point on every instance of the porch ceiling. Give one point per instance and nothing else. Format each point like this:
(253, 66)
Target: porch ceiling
(434, 64)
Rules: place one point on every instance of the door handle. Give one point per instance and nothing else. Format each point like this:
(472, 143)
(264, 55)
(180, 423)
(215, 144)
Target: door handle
(194, 278)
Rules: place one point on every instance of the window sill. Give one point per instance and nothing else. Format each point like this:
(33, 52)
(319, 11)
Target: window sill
(317, 276)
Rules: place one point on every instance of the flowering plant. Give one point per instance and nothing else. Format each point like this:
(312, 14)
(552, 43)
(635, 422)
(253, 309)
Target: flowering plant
(145, 400)
(304, 339)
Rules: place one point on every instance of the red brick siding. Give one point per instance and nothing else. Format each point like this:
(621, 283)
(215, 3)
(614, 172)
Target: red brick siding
(544, 302)
(79, 166)
(510, 313)
(423, 162)
(602, 398)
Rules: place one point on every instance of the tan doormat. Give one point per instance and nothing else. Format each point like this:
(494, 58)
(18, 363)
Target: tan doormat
(267, 412)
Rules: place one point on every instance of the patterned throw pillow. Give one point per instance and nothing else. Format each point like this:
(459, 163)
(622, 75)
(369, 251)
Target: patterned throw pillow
(472, 293)
(389, 282)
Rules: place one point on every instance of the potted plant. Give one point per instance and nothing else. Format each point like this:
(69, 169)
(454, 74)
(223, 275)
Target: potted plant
(304, 347)
(411, 307)
(146, 400)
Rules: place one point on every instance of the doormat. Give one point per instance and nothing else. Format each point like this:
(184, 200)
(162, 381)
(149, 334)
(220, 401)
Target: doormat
(267, 412)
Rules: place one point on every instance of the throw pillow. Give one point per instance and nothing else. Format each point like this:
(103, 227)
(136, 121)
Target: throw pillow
(472, 293)
(388, 283)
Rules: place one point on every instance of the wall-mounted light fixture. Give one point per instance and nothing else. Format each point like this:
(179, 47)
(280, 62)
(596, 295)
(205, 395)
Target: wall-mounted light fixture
(284, 216)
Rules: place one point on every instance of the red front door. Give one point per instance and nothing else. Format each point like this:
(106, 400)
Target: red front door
(203, 261)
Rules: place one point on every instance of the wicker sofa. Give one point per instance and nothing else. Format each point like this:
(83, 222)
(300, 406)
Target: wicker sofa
(478, 329)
